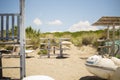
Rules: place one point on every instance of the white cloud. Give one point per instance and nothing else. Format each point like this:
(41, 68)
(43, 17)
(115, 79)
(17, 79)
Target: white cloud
(55, 31)
(37, 21)
(55, 22)
(82, 26)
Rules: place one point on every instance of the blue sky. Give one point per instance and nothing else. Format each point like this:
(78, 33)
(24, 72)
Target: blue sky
(63, 15)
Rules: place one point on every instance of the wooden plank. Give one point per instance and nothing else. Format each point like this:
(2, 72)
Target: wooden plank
(22, 40)
(3, 43)
(9, 67)
(10, 14)
(63, 49)
(2, 19)
(1, 74)
(104, 46)
(10, 38)
(65, 39)
(113, 38)
(18, 25)
(28, 45)
(13, 21)
(108, 33)
(7, 27)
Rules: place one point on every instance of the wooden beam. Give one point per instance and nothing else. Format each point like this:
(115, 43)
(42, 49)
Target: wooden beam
(7, 27)
(2, 22)
(18, 25)
(108, 33)
(10, 14)
(22, 40)
(13, 22)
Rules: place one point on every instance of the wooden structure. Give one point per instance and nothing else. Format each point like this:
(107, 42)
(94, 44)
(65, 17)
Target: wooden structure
(109, 22)
(8, 35)
(46, 42)
(46, 45)
(61, 44)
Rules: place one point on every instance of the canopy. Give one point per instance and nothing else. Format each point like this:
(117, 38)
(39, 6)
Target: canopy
(107, 21)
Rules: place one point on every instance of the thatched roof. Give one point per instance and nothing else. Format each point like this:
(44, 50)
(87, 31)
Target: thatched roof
(107, 21)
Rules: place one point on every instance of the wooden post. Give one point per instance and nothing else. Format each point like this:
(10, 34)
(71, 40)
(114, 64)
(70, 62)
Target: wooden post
(108, 34)
(119, 33)
(53, 49)
(48, 48)
(2, 22)
(1, 65)
(13, 22)
(61, 50)
(22, 40)
(18, 24)
(108, 38)
(113, 40)
(7, 27)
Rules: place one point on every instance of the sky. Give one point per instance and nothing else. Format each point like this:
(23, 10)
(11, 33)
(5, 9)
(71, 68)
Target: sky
(63, 15)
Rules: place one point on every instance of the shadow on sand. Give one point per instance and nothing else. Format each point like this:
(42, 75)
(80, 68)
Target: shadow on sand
(91, 78)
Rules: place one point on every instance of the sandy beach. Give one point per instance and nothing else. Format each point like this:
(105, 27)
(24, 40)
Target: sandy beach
(72, 67)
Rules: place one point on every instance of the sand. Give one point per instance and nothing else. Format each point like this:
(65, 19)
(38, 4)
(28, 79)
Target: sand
(72, 67)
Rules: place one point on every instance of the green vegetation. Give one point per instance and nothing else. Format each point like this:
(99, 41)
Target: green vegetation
(118, 56)
(42, 52)
(78, 38)
(33, 37)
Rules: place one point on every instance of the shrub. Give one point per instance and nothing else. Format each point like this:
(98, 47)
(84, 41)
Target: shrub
(42, 52)
(118, 56)
(86, 41)
(34, 37)
(77, 41)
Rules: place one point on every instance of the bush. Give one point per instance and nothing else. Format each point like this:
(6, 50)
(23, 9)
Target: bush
(117, 55)
(77, 41)
(42, 52)
(34, 37)
(86, 40)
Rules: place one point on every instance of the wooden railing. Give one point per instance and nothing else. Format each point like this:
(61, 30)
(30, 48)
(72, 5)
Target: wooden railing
(8, 31)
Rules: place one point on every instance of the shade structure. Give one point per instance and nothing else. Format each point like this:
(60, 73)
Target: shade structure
(108, 21)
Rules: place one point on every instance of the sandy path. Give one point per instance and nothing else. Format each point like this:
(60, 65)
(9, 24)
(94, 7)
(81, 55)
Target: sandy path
(71, 68)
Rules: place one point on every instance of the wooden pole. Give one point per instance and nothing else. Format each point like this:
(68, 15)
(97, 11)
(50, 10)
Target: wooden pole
(53, 49)
(113, 40)
(108, 37)
(2, 23)
(108, 34)
(7, 27)
(119, 33)
(22, 40)
(1, 65)
(48, 48)
(61, 50)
